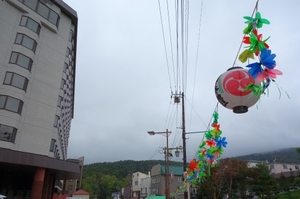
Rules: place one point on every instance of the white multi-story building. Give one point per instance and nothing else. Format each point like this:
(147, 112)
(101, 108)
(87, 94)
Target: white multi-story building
(136, 184)
(37, 79)
(145, 186)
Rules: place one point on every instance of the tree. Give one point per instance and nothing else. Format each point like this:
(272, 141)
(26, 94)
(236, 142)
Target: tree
(229, 177)
(264, 184)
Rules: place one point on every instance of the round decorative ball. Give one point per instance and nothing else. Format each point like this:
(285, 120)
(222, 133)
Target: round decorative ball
(230, 90)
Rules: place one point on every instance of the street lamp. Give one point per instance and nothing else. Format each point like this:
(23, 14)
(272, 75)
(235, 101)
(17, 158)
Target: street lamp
(165, 133)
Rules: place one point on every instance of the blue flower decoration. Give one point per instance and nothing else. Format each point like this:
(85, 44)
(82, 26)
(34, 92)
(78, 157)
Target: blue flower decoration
(255, 68)
(221, 142)
(209, 156)
(266, 59)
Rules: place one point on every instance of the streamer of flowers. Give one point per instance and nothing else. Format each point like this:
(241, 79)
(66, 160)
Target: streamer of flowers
(264, 70)
(208, 154)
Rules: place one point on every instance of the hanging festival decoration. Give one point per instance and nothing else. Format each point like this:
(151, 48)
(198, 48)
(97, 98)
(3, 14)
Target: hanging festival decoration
(230, 90)
(208, 154)
(238, 88)
(264, 70)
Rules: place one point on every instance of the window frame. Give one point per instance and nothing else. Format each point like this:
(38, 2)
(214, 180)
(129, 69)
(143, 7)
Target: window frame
(30, 62)
(56, 121)
(13, 134)
(62, 84)
(71, 35)
(25, 84)
(65, 67)
(26, 24)
(48, 17)
(22, 35)
(52, 145)
(20, 106)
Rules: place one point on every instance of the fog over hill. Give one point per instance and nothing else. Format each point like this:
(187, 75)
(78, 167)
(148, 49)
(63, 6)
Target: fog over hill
(288, 155)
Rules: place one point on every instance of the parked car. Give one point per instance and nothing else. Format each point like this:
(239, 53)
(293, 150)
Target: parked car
(2, 196)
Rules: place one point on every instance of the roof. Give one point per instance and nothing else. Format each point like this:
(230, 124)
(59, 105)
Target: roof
(177, 170)
(155, 197)
(81, 192)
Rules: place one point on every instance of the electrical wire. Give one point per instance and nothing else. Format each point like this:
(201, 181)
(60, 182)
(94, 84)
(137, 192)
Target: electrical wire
(164, 40)
(196, 63)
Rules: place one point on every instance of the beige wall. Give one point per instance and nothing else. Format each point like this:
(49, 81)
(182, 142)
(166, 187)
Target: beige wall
(35, 125)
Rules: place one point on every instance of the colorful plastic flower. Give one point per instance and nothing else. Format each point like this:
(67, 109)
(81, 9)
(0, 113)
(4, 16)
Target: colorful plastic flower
(268, 74)
(256, 42)
(210, 143)
(267, 59)
(221, 142)
(257, 21)
(255, 69)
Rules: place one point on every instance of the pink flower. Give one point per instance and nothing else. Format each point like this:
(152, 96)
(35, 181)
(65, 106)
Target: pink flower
(268, 74)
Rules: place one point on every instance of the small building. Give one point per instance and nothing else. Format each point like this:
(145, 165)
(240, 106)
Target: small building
(136, 184)
(81, 194)
(158, 180)
(145, 187)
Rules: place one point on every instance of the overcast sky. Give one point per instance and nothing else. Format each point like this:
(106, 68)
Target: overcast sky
(123, 89)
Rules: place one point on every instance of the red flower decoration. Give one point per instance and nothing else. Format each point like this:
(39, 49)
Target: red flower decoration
(256, 42)
(210, 143)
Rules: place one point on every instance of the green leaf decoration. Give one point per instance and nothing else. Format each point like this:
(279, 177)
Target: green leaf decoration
(245, 55)
(248, 29)
(256, 89)
(257, 21)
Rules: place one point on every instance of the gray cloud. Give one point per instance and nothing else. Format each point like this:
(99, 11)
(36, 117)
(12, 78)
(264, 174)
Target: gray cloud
(123, 87)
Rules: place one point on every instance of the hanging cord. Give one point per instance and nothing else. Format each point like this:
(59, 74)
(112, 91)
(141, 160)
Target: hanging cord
(254, 11)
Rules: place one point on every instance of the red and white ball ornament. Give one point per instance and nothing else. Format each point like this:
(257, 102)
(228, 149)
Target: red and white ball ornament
(230, 90)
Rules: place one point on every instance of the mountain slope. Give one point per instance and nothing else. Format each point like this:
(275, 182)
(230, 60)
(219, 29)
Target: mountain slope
(289, 155)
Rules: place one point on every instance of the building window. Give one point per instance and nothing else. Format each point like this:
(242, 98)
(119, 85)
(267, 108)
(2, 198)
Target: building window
(179, 179)
(7, 133)
(284, 166)
(60, 99)
(21, 60)
(30, 24)
(297, 167)
(62, 83)
(16, 80)
(56, 121)
(271, 166)
(26, 41)
(11, 104)
(42, 10)
(71, 35)
(68, 52)
(70, 187)
(65, 67)
(136, 183)
(52, 145)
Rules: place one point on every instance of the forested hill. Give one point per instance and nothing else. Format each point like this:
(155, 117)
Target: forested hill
(121, 169)
(289, 155)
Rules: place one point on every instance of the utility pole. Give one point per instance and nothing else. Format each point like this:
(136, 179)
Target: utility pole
(184, 141)
(177, 100)
(166, 133)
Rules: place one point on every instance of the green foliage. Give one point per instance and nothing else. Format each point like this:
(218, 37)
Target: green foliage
(102, 179)
(292, 195)
(264, 184)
